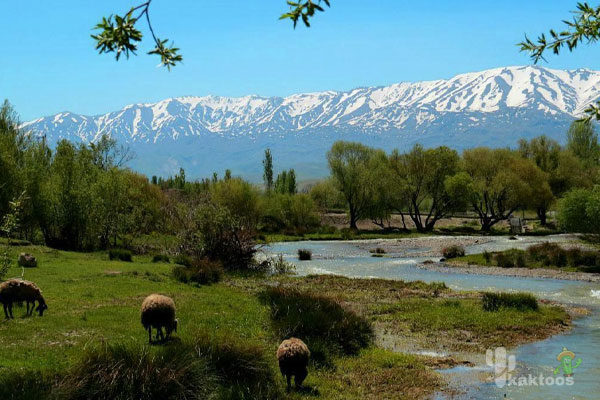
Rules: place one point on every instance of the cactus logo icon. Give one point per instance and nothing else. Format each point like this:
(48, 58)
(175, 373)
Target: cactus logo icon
(567, 362)
(502, 363)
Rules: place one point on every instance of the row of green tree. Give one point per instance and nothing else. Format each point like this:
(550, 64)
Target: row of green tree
(427, 185)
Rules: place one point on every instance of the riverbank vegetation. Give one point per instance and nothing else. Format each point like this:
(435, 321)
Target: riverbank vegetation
(544, 255)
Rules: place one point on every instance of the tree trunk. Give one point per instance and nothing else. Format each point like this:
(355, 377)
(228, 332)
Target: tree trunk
(541, 212)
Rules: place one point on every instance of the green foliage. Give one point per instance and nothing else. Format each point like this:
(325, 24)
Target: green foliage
(286, 182)
(242, 368)
(317, 319)
(268, 170)
(120, 254)
(453, 252)
(26, 385)
(304, 255)
(353, 167)
(184, 260)
(120, 36)
(201, 271)
(239, 197)
(215, 233)
(326, 196)
(9, 224)
(161, 258)
(517, 301)
(421, 175)
(294, 214)
(582, 140)
(585, 26)
(304, 9)
(127, 371)
(579, 211)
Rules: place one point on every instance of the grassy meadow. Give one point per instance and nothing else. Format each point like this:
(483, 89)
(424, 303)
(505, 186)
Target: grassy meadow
(96, 302)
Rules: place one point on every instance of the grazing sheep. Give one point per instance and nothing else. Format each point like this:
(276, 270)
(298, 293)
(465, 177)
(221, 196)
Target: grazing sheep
(27, 260)
(18, 291)
(157, 312)
(293, 356)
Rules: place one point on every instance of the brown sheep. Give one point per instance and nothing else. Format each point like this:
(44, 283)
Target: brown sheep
(18, 291)
(293, 356)
(157, 312)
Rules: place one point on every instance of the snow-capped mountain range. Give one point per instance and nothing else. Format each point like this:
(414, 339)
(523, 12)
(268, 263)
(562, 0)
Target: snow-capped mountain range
(204, 134)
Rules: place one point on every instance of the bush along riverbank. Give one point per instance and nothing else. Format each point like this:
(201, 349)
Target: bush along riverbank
(545, 260)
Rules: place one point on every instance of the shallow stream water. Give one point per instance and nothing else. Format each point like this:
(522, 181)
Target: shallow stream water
(351, 259)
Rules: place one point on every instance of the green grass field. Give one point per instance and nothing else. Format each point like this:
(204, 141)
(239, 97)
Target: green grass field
(93, 300)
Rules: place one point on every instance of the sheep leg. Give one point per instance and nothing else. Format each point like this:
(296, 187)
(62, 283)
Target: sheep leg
(28, 312)
(150, 334)
(289, 382)
(159, 334)
(10, 310)
(299, 378)
(5, 310)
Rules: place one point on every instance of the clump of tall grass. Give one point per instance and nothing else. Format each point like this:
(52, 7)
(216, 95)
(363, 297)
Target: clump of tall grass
(200, 271)
(276, 266)
(120, 254)
(184, 260)
(161, 258)
(453, 252)
(518, 301)
(322, 322)
(243, 369)
(304, 255)
(25, 385)
(135, 372)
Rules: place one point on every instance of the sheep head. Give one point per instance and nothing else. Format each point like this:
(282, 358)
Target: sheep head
(41, 307)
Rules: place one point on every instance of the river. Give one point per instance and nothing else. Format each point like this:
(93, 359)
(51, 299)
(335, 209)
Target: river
(352, 259)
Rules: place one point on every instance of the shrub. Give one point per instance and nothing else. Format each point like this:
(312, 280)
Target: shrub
(315, 318)
(518, 301)
(161, 258)
(378, 250)
(304, 254)
(183, 260)
(134, 372)
(201, 271)
(520, 259)
(243, 369)
(453, 252)
(120, 254)
(276, 266)
(25, 385)
(347, 234)
(226, 237)
(487, 256)
(503, 260)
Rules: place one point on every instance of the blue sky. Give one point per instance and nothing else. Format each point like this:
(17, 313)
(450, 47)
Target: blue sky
(234, 47)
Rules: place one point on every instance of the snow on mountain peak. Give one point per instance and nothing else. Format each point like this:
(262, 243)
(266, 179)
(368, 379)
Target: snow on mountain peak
(401, 107)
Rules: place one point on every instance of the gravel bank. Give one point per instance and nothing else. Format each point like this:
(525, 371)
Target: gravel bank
(517, 272)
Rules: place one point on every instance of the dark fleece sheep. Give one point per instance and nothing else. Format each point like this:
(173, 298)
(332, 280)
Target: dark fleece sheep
(18, 291)
(293, 356)
(157, 312)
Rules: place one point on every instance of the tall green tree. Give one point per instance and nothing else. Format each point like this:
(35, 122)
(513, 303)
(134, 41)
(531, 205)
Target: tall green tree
(582, 140)
(493, 184)
(352, 166)
(268, 170)
(422, 173)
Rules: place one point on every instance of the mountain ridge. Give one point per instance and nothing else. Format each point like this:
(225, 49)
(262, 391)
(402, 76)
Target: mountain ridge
(494, 106)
